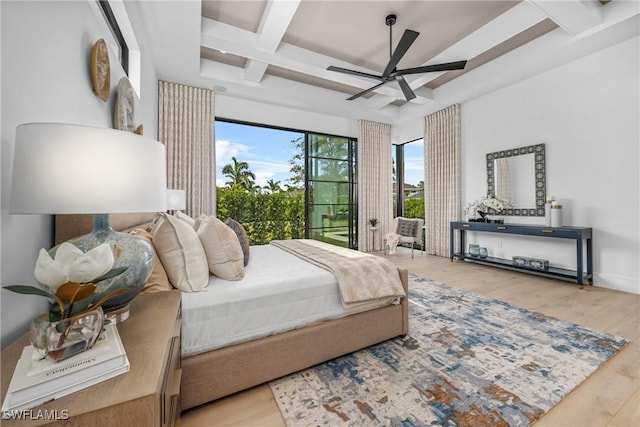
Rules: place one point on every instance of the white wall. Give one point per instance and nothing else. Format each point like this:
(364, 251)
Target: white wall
(587, 114)
(275, 115)
(45, 77)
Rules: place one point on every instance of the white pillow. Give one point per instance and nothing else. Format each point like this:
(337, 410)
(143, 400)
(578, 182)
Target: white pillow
(222, 247)
(186, 218)
(181, 254)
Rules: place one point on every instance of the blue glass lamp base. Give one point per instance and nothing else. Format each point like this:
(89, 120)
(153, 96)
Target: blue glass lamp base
(128, 251)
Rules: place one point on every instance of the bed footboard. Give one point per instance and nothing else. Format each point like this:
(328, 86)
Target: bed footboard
(215, 374)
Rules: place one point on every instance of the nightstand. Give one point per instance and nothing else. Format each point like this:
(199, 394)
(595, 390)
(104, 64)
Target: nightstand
(148, 395)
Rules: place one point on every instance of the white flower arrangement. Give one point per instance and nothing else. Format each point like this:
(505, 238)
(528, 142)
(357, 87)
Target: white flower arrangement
(481, 207)
(69, 279)
(72, 265)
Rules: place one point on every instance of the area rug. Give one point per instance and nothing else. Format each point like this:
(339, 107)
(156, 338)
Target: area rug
(468, 361)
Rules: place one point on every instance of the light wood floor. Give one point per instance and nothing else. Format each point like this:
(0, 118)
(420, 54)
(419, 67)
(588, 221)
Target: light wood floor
(609, 397)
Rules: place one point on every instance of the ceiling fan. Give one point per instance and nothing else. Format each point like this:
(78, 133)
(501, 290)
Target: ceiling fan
(390, 72)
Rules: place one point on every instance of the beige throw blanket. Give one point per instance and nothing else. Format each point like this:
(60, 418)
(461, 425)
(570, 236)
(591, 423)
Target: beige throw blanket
(361, 277)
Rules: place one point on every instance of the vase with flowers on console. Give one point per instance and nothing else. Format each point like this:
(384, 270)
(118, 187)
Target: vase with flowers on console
(479, 210)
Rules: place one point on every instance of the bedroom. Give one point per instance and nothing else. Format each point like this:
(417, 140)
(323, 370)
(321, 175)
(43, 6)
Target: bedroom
(585, 111)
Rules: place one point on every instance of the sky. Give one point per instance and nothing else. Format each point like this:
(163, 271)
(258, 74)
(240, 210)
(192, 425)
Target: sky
(267, 151)
(414, 162)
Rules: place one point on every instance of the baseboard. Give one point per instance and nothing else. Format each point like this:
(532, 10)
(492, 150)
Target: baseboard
(617, 283)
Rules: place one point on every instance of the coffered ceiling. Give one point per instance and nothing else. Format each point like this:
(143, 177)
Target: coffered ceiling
(278, 51)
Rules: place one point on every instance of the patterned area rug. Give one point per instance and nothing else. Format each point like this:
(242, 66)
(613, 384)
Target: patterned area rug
(467, 361)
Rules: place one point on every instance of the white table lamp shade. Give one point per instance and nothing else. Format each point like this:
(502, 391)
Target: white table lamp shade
(176, 200)
(72, 169)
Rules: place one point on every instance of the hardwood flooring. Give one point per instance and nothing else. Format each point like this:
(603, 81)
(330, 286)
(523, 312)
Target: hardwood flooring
(609, 397)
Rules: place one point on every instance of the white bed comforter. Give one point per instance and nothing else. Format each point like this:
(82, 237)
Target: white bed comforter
(279, 292)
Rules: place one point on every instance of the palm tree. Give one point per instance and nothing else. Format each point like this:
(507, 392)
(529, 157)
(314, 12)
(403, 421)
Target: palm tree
(238, 174)
(272, 186)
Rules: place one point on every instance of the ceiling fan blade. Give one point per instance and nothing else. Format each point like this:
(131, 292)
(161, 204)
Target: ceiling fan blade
(448, 66)
(406, 89)
(364, 92)
(406, 41)
(354, 72)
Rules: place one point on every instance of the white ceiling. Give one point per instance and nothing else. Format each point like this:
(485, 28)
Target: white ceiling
(278, 51)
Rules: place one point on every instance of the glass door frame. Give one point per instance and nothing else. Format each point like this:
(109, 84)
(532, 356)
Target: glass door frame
(352, 205)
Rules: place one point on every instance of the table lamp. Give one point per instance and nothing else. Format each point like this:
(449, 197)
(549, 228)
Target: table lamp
(73, 169)
(176, 200)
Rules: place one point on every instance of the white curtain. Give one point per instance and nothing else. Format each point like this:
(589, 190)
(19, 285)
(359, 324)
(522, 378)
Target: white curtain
(442, 177)
(375, 197)
(186, 126)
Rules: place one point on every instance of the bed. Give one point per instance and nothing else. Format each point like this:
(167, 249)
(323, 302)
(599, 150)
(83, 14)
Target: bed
(209, 374)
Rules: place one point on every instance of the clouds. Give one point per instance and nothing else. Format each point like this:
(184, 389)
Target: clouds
(257, 156)
(266, 170)
(225, 150)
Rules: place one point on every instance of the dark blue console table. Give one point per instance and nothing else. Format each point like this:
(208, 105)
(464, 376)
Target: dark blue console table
(579, 234)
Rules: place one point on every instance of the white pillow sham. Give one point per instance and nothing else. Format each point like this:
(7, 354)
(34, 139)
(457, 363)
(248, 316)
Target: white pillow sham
(181, 254)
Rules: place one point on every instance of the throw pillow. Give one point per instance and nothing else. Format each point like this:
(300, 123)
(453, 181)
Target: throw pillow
(406, 228)
(186, 218)
(181, 253)
(242, 237)
(158, 280)
(222, 247)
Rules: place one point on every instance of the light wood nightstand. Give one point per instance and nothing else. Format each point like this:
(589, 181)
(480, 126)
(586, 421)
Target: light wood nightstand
(148, 395)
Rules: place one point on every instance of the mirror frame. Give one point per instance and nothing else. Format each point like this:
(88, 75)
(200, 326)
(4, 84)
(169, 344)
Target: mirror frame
(540, 178)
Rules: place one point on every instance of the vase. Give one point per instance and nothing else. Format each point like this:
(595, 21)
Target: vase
(129, 251)
(67, 337)
(482, 252)
(474, 249)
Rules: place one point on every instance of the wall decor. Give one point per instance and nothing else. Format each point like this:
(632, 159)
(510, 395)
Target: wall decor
(522, 170)
(100, 70)
(123, 117)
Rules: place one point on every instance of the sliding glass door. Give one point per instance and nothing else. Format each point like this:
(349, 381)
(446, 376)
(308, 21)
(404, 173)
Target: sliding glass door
(331, 214)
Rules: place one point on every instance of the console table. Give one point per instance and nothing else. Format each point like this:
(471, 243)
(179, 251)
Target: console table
(579, 234)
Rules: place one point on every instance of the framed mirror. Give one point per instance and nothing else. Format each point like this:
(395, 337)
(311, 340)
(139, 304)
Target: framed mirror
(518, 175)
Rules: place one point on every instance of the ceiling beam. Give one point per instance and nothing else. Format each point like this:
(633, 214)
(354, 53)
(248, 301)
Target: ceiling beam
(227, 38)
(505, 26)
(573, 16)
(275, 21)
(271, 88)
(550, 51)
(254, 70)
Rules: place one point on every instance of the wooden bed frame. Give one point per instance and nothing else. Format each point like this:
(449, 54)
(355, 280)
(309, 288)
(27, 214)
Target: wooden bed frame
(218, 373)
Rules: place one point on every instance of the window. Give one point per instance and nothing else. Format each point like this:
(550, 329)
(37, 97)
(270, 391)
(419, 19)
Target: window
(120, 38)
(286, 184)
(118, 44)
(409, 179)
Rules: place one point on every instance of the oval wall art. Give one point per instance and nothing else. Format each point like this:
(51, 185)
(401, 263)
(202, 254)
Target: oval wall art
(100, 70)
(123, 118)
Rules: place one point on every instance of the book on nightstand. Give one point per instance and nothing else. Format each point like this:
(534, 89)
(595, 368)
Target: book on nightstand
(35, 382)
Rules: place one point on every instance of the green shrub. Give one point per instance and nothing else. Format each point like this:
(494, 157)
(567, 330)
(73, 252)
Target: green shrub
(265, 216)
(414, 208)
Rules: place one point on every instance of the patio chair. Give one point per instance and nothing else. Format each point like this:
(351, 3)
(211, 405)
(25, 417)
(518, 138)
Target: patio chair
(409, 230)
